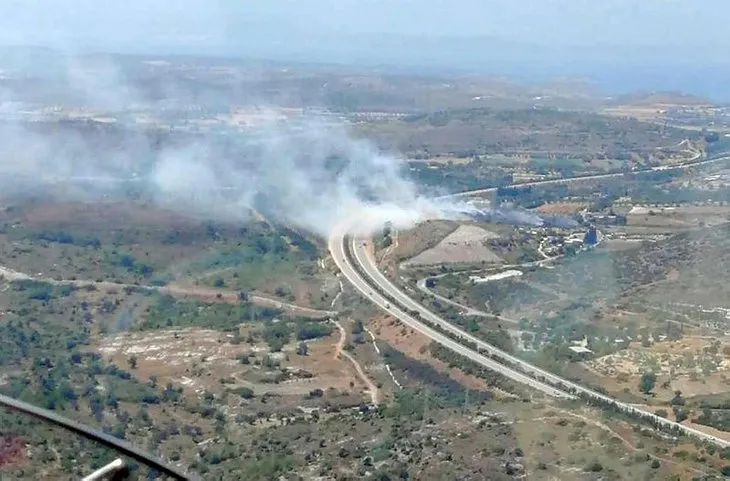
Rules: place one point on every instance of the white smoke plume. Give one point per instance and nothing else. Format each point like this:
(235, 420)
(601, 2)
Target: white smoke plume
(307, 172)
(310, 174)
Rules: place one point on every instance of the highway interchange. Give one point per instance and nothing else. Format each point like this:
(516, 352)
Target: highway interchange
(352, 257)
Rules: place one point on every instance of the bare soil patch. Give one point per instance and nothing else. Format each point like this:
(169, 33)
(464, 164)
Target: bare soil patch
(647, 112)
(197, 360)
(692, 365)
(708, 429)
(174, 355)
(686, 356)
(444, 160)
(466, 245)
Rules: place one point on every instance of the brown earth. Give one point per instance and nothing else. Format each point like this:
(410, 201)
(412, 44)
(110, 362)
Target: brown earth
(416, 346)
(197, 359)
(466, 245)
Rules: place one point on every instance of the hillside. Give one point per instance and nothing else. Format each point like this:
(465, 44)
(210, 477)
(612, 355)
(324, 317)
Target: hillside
(486, 131)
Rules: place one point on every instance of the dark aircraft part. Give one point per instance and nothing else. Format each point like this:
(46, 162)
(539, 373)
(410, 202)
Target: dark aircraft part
(118, 445)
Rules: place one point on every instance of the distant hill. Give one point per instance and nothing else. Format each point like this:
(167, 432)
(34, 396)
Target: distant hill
(666, 98)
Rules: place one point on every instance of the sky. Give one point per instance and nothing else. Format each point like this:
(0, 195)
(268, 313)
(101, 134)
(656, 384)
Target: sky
(622, 45)
(562, 22)
(136, 24)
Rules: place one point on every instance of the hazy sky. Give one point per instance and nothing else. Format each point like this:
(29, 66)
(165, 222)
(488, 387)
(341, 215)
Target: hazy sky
(152, 23)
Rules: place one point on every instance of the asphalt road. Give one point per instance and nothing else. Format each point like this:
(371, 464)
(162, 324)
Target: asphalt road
(338, 248)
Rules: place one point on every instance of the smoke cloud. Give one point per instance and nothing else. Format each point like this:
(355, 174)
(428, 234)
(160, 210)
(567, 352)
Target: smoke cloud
(305, 171)
(508, 214)
(308, 173)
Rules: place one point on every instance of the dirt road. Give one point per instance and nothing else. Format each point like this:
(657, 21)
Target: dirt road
(181, 291)
(340, 351)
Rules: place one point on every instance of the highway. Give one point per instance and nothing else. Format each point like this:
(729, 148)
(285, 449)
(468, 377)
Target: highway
(373, 283)
(564, 180)
(338, 249)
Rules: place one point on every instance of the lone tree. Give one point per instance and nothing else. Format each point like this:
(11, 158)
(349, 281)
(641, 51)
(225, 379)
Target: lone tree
(647, 382)
(302, 349)
(358, 327)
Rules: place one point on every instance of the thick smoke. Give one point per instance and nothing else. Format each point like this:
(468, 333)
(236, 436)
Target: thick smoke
(307, 171)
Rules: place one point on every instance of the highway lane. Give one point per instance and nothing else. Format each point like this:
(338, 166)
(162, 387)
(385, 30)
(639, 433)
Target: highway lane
(338, 249)
(369, 267)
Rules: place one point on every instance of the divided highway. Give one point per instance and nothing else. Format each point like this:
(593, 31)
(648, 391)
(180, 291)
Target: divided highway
(361, 270)
(338, 249)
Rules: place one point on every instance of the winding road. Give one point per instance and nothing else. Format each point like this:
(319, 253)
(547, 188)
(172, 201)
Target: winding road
(362, 272)
(465, 310)
(340, 351)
